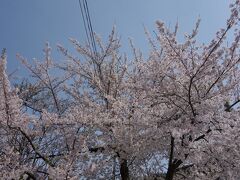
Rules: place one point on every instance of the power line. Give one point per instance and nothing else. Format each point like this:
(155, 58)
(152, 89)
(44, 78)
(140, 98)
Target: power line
(88, 26)
(91, 29)
(84, 22)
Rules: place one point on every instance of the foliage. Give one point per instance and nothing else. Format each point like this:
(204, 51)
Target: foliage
(102, 116)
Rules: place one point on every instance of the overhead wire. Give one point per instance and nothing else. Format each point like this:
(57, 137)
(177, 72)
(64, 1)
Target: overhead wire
(84, 22)
(91, 29)
(88, 26)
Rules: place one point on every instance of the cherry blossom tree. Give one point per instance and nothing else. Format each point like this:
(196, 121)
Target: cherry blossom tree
(101, 115)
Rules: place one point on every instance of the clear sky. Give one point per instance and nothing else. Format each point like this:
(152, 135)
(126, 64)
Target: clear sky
(27, 24)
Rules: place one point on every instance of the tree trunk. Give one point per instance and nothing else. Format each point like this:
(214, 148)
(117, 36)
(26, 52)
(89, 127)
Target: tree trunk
(173, 164)
(124, 171)
(170, 171)
(114, 169)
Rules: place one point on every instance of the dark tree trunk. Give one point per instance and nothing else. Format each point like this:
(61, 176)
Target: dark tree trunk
(170, 171)
(172, 164)
(124, 171)
(170, 174)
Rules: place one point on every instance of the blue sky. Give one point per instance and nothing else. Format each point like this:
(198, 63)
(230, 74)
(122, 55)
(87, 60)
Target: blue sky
(27, 24)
